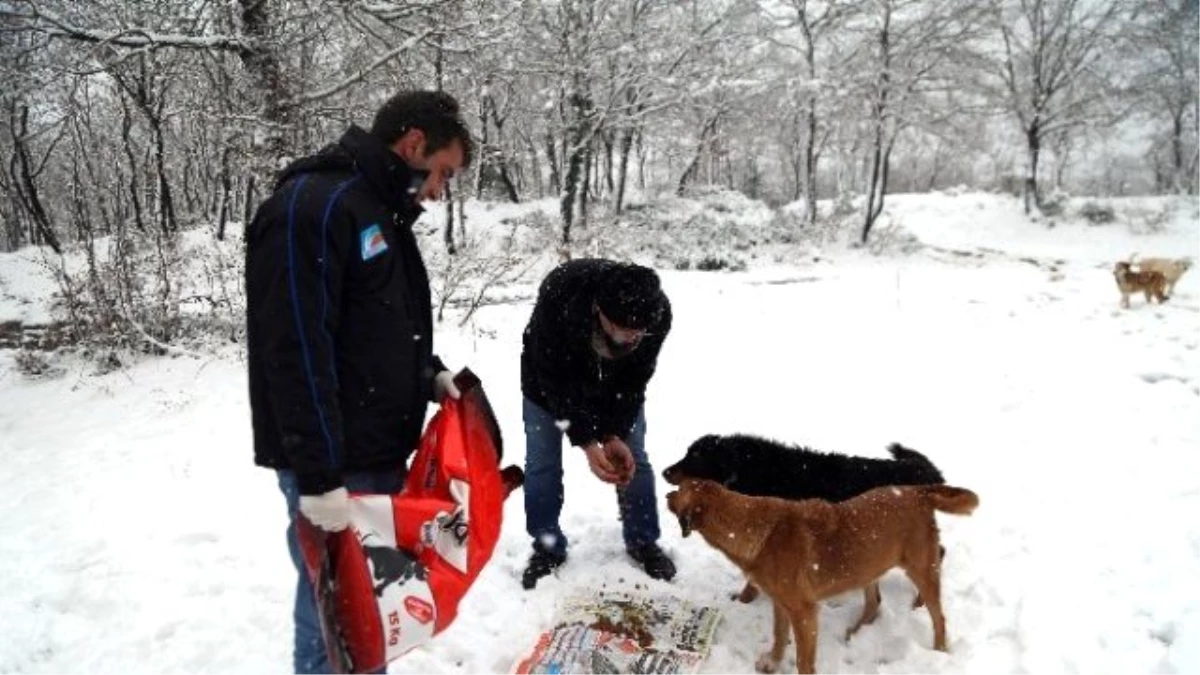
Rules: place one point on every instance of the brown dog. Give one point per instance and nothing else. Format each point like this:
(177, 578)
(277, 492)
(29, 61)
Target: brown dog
(1149, 283)
(1170, 268)
(801, 552)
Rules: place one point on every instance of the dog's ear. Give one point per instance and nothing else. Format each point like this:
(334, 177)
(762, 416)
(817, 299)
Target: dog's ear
(511, 477)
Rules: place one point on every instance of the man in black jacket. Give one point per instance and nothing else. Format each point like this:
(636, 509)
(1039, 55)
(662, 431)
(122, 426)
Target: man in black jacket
(590, 348)
(339, 327)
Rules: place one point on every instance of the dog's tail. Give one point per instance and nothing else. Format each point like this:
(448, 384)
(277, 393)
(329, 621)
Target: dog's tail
(924, 471)
(959, 501)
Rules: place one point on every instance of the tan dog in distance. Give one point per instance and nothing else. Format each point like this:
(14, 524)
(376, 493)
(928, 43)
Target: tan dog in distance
(1170, 268)
(1150, 284)
(801, 552)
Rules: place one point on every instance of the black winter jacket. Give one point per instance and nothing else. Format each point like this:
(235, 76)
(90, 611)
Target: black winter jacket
(339, 327)
(561, 372)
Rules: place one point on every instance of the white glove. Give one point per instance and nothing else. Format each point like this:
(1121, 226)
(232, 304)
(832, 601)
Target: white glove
(443, 386)
(330, 511)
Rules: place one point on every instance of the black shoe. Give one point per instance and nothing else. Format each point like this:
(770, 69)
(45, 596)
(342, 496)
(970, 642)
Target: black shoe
(654, 561)
(541, 563)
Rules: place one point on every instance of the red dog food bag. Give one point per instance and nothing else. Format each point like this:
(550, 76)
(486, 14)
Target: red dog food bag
(394, 579)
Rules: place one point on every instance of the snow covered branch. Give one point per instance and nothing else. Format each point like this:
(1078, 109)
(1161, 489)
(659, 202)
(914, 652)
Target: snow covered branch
(40, 20)
(362, 73)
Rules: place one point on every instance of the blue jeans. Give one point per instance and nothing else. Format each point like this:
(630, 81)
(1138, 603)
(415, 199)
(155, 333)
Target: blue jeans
(544, 485)
(308, 652)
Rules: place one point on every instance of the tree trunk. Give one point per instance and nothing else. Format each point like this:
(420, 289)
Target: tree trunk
(641, 153)
(483, 164)
(689, 174)
(810, 164)
(567, 199)
(878, 175)
(626, 144)
(1033, 139)
(535, 167)
(876, 179)
(264, 66)
(448, 230)
(22, 171)
(167, 220)
(1178, 172)
(570, 187)
(134, 193)
(579, 108)
(608, 163)
(249, 204)
(935, 167)
(585, 195)
(556, 183)
(226, 190)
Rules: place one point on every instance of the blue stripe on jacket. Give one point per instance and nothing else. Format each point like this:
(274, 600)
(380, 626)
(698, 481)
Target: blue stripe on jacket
(333, 198)
(306, 356)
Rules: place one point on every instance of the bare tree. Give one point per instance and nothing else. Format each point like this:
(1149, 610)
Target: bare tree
(910, 46)
(1163, 41)
(807, 29)
(1050, 49)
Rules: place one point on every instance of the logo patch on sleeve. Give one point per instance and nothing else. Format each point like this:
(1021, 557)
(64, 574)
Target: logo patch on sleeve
(373, 242)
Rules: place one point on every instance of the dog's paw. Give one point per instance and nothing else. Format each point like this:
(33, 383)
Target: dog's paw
(766, 664)
(747, 595)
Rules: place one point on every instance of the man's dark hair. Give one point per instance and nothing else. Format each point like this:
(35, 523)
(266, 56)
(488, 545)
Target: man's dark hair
(631, 296)
(433, 112)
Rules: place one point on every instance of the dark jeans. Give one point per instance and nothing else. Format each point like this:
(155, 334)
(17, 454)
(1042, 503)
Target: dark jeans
(308, 652)
(544, 484)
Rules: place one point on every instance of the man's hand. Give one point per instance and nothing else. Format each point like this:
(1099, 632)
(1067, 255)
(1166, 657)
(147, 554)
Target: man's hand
(621, 458)
(443, 386)
(611, 461)
(329, 511)
(600, 464)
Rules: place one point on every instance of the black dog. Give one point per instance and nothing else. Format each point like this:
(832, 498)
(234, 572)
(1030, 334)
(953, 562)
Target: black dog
(762, 468)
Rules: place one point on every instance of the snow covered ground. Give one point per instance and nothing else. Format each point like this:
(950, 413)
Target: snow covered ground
(138, 538)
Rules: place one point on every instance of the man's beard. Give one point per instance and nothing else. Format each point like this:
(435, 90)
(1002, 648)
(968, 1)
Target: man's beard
(606, 346)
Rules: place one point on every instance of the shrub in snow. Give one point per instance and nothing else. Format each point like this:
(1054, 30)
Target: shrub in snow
(1096, 213)
(1149, 219)
(1055, 204)
(892, 238)
(711, 263)
(486, 263)
(146, 292)
(701, 231)
(36, 365)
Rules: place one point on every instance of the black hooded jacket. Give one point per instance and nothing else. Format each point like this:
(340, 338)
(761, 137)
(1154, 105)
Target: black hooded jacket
(560, 371)
(339, 325)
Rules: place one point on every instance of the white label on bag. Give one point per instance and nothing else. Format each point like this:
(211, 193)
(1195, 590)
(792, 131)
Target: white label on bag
(447, 533)
(407, 612)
